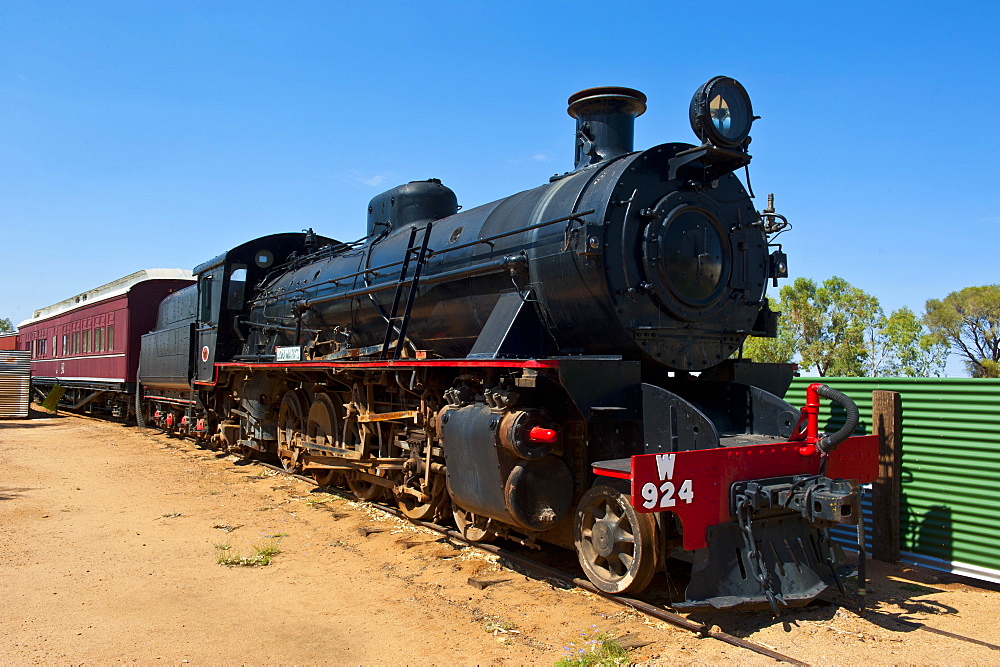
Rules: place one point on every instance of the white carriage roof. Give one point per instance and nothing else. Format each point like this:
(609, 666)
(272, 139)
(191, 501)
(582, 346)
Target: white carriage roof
(112, 289)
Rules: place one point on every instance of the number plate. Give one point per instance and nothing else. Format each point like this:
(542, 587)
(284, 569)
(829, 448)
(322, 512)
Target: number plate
(288, 353)
(664, 492)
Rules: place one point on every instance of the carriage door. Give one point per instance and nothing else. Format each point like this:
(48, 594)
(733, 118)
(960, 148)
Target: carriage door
(207, 328)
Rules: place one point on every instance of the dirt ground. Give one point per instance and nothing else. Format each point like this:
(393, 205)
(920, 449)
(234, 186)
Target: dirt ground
(110, 538)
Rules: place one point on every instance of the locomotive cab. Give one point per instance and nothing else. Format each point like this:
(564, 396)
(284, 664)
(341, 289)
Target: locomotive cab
(221, 330)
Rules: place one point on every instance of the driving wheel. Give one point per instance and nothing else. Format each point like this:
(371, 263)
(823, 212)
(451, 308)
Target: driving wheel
(291, 428)
(615, 544)
(473, 527)
(363, 489)
(327, 477)
(432, 508)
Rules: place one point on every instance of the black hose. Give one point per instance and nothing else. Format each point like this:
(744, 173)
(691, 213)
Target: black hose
(828, 443)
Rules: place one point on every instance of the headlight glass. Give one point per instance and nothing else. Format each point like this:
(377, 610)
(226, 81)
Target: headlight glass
(721, 113)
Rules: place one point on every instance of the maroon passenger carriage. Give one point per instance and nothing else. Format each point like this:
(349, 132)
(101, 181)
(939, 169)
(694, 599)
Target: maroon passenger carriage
(88, 344)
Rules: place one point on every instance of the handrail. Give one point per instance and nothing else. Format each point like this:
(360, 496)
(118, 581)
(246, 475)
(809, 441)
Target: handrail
(430, 253)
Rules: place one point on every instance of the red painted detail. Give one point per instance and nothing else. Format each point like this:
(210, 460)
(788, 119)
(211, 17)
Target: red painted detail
(544, 435)
(397, 363)
(170, 419)
(8, 342)
(200, 425)
(184, 420)
(156, 415)
(618, 474)
(695, 485)
(812, 413)
(408, 363)
(204, 353)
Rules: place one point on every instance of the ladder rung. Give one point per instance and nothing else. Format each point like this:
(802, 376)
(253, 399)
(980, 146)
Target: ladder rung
(415, 252)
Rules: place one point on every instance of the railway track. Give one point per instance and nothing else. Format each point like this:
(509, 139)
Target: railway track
(701, 629)
(547, 572)
(543, 571)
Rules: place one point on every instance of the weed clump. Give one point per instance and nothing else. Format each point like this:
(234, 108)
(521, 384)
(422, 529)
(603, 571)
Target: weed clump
(261, 555)
(594, 648)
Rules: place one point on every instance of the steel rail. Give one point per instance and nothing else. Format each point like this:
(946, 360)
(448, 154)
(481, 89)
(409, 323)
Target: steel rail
(674, 619)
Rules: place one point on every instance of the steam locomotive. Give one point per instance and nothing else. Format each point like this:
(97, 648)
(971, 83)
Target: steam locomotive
(561, 366)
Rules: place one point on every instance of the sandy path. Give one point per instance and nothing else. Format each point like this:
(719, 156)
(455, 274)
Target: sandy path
(109, 553)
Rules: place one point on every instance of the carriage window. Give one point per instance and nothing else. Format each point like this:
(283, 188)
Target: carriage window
(86, 341)
(65, 345)
(111, 337)
(76, 342)
(54, 348)
(237, 286)
(98, 340)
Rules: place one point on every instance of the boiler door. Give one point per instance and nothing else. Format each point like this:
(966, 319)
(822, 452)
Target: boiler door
(687, 257)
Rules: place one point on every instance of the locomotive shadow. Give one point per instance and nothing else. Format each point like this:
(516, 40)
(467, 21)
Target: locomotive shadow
(904, 591)
(41, 423)
(887, 585)
(10, 492)
(910, 591)
(35, 419)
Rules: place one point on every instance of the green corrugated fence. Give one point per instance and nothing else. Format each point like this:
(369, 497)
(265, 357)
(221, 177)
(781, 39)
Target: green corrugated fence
(950, 465)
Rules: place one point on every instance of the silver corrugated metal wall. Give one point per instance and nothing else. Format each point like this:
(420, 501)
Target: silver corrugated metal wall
(15, 384)
(950, 466)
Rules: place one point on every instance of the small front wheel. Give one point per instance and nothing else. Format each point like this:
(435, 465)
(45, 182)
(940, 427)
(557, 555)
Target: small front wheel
(616, 545)
(473, 527)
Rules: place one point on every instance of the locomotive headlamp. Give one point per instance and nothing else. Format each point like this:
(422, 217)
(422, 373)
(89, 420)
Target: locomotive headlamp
(721, 113)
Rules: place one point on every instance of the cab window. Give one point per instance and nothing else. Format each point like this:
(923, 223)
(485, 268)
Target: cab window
(237, 287)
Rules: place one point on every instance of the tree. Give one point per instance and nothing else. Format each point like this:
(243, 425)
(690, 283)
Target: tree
(900, 345)
(842, 330)
(6, 326)
(778, 350)
(828, 324)
(969, 321)
(912, 351)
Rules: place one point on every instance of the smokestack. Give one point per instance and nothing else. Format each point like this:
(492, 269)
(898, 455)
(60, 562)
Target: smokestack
(605, 122)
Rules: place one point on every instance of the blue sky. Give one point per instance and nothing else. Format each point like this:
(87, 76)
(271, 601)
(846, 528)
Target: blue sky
(158, 134)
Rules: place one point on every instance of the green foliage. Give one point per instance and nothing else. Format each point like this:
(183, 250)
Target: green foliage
(841, 330)
(780, 350)
(596, 648)
(6, 326)
(261, 556)
(969, 321)
(827, 323)
(906, 348)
